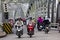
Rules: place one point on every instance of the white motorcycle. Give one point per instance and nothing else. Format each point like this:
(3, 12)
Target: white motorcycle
(19, 31)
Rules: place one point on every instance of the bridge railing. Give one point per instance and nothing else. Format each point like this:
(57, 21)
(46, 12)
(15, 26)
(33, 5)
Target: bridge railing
(55, 25)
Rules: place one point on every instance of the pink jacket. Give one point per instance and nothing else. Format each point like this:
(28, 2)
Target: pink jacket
(40, 20)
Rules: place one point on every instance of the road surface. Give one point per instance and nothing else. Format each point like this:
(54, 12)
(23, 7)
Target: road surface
(53, 35)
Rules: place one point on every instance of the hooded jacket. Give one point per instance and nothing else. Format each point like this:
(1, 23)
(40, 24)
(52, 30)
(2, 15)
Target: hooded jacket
(40, 20)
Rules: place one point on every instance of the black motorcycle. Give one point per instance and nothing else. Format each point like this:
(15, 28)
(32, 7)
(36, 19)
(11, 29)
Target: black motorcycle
(19, 31)
(39, 26)
(46, 24)
(30, 30)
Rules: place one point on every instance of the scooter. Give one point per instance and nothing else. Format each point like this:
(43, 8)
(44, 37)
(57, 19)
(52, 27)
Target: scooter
(30, 30)
(19, 31)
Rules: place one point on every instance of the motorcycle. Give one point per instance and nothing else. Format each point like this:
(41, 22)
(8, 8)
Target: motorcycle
(30, 30)
(39, 26)
(19, 31)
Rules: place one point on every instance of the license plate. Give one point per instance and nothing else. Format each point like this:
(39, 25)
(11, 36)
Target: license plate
(18, 30)
(41, 26)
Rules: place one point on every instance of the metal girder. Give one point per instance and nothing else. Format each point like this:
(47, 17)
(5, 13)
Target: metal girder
(49, 1)
(31, 2)
(52, 19)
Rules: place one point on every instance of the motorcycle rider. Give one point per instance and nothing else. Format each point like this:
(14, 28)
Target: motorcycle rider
(46, 23)
(19, 25)
(39, 23)
(30, 22)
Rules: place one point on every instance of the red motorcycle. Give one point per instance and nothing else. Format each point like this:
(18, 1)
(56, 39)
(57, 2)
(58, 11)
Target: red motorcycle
(30, 29)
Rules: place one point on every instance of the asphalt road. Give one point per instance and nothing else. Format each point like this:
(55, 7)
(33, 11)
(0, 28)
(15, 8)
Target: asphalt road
(52, 35)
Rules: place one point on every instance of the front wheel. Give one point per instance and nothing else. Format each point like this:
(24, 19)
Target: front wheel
(39, 29)
(19, 36)
(30, 36)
